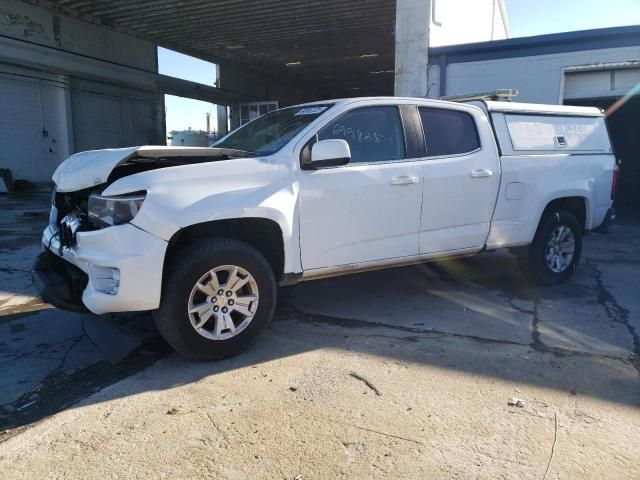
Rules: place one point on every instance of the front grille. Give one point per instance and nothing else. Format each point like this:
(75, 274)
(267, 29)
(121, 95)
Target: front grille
(71, 203)
(72, 215)
(69, 226)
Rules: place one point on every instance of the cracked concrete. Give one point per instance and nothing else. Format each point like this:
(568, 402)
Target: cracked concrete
(40, 345)
(578, 318)
(388, 374)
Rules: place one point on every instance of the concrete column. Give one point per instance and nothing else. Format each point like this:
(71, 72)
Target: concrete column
(412, 47)
(222, 120)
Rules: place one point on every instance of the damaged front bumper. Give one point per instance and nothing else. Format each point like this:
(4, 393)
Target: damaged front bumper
(58, 282)
(115, 269)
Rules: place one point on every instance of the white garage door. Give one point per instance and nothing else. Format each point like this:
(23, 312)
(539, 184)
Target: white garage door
(598, 83)
(107, 116)
(32, 135)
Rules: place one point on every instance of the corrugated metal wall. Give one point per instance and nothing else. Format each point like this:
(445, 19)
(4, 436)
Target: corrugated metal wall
(45, 118)
(33, 135)
(109, 116)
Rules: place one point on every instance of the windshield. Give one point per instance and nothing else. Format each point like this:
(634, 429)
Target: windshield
(269, 133)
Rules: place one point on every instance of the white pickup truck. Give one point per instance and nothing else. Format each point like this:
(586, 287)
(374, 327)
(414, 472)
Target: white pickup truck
(203, 236)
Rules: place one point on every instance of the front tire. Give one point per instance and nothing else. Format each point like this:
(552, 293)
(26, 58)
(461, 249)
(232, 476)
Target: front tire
(219, 295)
(555, 252)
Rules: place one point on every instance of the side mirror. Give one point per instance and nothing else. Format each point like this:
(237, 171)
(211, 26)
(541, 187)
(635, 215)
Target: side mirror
(330, 153)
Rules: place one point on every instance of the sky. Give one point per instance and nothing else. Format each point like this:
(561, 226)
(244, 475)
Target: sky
(537, 17)
(526, 18)
(183, 113)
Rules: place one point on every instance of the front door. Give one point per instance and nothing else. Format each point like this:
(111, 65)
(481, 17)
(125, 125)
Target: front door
(369, 209)
(461, 180)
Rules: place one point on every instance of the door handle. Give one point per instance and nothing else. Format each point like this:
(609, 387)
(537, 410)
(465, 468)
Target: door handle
(481, 173)
(403, 180)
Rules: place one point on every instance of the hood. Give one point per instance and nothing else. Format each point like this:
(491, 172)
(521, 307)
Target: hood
(87, 169)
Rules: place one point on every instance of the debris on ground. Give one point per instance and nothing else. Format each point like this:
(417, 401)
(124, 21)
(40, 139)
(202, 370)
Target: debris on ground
(172, 411)
(516, 402)
(366, 382)
(553, 447)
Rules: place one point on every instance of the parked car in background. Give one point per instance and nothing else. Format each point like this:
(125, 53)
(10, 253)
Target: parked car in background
(203, 236)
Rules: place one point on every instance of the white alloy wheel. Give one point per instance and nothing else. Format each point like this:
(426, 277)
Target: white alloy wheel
(223, 302)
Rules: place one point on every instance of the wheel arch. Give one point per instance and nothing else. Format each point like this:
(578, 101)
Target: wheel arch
(263, 234)
(578, 205)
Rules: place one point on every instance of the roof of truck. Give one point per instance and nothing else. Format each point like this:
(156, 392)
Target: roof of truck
(511, 107)
(538, 108)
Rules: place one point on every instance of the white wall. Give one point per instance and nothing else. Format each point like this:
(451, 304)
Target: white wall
(33, 122)
(539, 79)
(466, 21)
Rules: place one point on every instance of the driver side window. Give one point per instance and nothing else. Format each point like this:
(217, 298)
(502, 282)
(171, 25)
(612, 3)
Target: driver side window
(374, 134)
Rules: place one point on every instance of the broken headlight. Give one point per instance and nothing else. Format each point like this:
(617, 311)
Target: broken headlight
(109, 211)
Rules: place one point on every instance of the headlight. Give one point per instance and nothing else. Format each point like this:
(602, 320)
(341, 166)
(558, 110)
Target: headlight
(108, 211)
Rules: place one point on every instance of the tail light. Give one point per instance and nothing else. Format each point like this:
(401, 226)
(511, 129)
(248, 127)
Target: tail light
(615, 181)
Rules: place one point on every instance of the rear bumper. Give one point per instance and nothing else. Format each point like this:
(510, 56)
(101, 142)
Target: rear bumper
(135, 256)
(608, 218)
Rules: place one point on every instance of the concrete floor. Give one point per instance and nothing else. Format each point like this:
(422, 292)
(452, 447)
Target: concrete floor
(404, 373)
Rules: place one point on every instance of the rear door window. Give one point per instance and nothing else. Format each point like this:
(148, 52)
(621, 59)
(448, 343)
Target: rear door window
(374, 134)
(448, 132)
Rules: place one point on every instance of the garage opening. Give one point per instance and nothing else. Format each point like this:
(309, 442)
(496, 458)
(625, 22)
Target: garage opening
(615, 88)
(623, 118)
(189, 122)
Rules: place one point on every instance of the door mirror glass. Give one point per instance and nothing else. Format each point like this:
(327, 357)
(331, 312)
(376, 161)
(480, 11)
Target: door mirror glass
(330, 153)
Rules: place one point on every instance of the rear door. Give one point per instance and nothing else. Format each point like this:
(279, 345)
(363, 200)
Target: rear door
(369, 209)
(461, 179)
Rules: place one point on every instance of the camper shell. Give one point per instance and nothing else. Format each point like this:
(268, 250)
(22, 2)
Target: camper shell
(535, 129)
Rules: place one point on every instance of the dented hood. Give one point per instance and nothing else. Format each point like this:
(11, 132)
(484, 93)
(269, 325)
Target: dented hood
(87, 169)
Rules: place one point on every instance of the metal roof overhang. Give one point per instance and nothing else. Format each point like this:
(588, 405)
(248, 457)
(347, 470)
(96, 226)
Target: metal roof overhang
(340, 48)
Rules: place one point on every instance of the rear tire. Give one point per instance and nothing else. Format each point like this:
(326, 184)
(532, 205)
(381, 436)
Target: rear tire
(202, 278)
(555, 252)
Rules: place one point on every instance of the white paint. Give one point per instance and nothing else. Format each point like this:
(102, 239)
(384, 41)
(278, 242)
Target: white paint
(546, 172)
(460, 193)
(336, 220)
(86, 169)
(552, 133)
(539, 109)
(330, 150)
(137, 254)
(354, 214)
